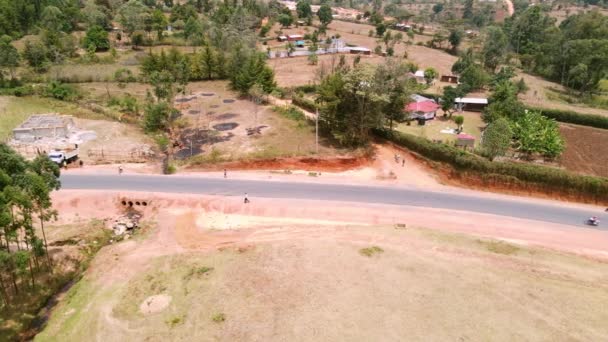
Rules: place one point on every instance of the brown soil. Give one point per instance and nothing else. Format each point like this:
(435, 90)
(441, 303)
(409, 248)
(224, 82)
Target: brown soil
(586, 150)
(304, 163)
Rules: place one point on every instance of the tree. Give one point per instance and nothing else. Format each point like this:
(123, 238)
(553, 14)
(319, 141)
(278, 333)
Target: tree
(380, 29)
(312, 57)
(132, 15)
(94, 15)
(159, 23)
(352, 104)
(35, 53)
(459, 120)
(455, 38)
(193, 31)
(303, 9)
(429, 75)
(468, 9)
(208, 62)
(474, 77)
(494, 49)
(437, 8)
(325, 14)
(450, 94)
(285, 20)
(9, 57)
(496, 138)
(466, 60)
(98, 37)
(156, 115)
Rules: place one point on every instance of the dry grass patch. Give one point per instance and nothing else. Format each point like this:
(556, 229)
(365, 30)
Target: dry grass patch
(371, 251)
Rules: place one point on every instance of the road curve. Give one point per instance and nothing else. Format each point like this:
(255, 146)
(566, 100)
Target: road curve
(333, 192)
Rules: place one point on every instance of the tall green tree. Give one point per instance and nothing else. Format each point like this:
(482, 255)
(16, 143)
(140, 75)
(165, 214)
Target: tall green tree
(303, 9)
(9, 57)
(325, 15)
(98, 37)
(496, 138)
(495, 48)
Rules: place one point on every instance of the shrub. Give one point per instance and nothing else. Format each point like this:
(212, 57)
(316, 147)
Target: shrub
(290, 112)
(507, 173)
(218, 317)
(304, 103)
(567, 116)
(370, 251)
(61, 91)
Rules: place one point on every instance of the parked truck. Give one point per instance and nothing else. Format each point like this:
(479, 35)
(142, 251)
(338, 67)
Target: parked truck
(64, 156)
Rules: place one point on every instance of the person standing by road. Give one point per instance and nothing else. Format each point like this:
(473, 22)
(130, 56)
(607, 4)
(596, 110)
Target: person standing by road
(120, 170)
(225, 174)
(246, 199)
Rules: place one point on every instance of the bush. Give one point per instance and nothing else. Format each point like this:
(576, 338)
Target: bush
(507, 173)
(61, 91)
(305, 103)
(290, 112)
(566, 116)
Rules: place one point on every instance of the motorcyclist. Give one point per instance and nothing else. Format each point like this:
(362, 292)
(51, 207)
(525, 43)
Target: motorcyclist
(594, 220)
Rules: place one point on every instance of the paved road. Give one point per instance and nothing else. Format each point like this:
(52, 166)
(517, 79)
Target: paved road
(349, 193)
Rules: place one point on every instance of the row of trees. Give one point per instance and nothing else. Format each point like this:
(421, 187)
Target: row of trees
(573, 53)
(25, 206)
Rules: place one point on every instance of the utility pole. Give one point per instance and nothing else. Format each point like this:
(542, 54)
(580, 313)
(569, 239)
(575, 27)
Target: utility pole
(317, 129)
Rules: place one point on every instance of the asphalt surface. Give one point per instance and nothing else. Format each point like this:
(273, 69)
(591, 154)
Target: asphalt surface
(334, 192)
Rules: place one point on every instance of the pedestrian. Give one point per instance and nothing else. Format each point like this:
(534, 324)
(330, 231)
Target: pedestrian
(120, 170)
(403, 163)
(80, 163)
(225, 176)
(396, 160)
(246, 199)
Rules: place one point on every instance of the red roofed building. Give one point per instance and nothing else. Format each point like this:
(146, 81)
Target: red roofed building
(422, 110)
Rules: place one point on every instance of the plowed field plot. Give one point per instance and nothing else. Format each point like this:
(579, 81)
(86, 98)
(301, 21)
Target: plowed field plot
(586, 150)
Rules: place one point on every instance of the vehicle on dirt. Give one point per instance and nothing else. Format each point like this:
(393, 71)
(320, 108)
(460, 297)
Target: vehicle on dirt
(63, 157)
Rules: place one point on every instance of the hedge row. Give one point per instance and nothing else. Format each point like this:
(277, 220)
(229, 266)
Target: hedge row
(567, 116)
(523, 175)
(305, 103)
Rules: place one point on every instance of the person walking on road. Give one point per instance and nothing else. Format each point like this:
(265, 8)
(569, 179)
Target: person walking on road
(225, 175)
(120, 170)
(246, 199)
(402, 162)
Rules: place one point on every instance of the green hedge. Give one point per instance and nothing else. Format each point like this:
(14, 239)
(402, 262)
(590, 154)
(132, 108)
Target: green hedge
(518, 174)
(302, 102)
(567, 116)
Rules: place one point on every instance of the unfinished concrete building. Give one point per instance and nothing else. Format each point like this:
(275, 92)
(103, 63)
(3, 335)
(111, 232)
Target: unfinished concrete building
(42, 126)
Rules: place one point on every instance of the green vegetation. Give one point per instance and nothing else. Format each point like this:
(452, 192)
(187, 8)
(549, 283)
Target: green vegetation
(355, 101)
(508, 174)
(290, 112)
(590, 120)
(497, 138)
(371, 251)
(218, 317)
(499, 247)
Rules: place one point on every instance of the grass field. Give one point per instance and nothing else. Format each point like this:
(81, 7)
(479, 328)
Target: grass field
(432, 129)
(417, 284)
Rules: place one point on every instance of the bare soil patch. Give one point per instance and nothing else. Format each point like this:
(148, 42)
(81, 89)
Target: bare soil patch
(155, 304)
(586, 149)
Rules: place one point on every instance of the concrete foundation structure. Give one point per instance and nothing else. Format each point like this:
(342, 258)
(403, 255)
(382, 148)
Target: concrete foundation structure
(44, 126)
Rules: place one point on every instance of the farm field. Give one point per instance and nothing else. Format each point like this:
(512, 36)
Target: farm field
(586, 149)
(208, 275)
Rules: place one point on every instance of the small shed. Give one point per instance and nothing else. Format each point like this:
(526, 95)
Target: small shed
(424, 110)
(465, 140)
(294, 37)
(300, 43)
(301, 22)
(472, 104)
(359, 50)
(282, 38)
(449, 79)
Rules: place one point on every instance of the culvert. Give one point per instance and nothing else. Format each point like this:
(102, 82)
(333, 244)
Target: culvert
(130, 204)
(137, 203)
(124, 202)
